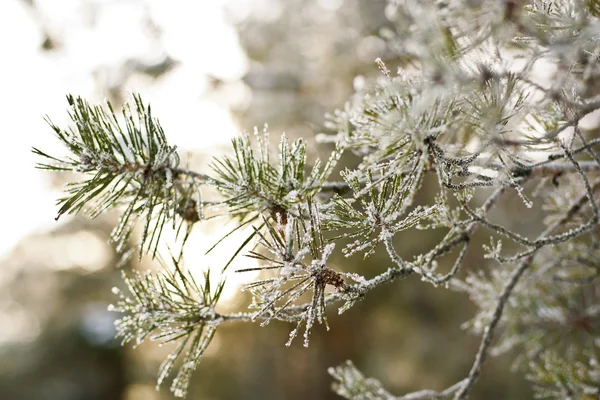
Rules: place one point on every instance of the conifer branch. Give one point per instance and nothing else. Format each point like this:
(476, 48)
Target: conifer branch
(170, 307)
(352, 384)
(473, 126)
(507, 291)
(129, 163)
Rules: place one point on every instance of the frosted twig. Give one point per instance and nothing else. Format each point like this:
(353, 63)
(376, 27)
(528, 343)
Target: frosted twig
(505, 294)
(431, 394)
(196, 175)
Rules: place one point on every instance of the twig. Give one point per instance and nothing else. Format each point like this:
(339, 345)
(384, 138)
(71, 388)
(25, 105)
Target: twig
(507, 291)
(193, 174)
(431, 394)
(560, 168)
(584, 110)
(464, 236)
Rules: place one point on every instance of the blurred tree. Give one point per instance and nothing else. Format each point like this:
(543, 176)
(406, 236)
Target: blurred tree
(60, 338)
(304, 56)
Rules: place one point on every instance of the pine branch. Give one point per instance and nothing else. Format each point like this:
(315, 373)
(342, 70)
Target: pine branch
(252, 183)
(170, 307)
(507, 291)
(352, 384)
(129, 164)
(555, 377)
(474, 125)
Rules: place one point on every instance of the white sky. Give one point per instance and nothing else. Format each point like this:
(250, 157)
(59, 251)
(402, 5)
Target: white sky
(94, 38)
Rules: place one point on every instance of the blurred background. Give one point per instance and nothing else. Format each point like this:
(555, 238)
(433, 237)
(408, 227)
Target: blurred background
(210, 69)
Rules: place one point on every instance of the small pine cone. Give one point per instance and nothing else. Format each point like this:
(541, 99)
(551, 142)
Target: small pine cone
(330, 277)
(278, 210)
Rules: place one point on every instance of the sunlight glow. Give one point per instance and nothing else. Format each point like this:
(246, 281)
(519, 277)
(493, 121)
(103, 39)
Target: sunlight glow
(93, 40)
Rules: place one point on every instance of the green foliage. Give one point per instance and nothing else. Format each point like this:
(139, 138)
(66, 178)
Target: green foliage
(352, 384)
(381, 213)
(557, 377)
(251, 182)
(170, 307)
(465, 106)
(554, 304)
(288, 244)
(131, 166)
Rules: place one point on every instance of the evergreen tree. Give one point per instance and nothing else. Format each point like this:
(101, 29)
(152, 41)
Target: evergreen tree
(466, 106)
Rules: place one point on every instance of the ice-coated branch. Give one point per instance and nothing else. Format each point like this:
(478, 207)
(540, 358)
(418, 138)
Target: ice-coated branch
(126, 162)
(352, 384)
(462, 237)
(489, 329)
(203, 178)
(507, 290)
(558, 169)
(432, 394)
(478, 127)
